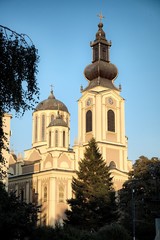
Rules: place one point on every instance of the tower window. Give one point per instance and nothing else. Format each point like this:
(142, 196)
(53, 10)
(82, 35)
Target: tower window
(61, 193)
(64, 136)
(50, 134)
(111, 121)
(89, 121)
(104, 53)
(56, 138)
(43, 127)
(95, 54)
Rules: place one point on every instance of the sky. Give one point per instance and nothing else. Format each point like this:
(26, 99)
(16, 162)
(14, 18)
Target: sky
(62, 31)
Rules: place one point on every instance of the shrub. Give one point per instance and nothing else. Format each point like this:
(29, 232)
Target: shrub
(112, 232)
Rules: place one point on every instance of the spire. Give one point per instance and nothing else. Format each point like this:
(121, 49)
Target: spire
(100, 34)
(101, 46)
(101, 72)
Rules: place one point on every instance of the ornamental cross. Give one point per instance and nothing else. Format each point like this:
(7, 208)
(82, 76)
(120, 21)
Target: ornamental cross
(100, 16)
(51, 87)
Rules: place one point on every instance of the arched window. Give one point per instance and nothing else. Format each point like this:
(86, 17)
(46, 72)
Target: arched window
(56, 138)
(52, 118)
(112, 165)
(43, 127)
(36, 129)
(50, 134)
(22, 195)
(88, 121)
(67, 120)
(44, 219)
(111, 121)
(104, 54)
(95, 54)
(34, 196)
(61, 193)
(64, 136)
(45, 194)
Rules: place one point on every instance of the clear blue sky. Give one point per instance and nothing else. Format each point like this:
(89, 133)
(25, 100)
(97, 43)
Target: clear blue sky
(62, 31)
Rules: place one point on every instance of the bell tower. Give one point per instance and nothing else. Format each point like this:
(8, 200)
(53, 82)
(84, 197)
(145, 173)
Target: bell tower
(101, 111)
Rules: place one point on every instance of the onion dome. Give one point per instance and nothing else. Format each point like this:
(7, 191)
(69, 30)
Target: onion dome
(58, 122)
(51, 104)
(101, 71)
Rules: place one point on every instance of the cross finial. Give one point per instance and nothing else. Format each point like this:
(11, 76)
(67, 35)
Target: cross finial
(51, 87)
(100, 16)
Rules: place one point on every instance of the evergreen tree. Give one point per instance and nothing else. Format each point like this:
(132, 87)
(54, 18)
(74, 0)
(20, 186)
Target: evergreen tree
(93, 204)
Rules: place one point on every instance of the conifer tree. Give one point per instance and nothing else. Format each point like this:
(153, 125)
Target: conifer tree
(93, 204)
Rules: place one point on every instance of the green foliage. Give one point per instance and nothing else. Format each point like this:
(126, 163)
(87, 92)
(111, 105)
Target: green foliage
(145, 229)
(94, 203)
(112, 232)
(18, 69)
(43, 233)
(108, 232)
(63, 233)
(3, 139)
(17, 216)
(141, 196)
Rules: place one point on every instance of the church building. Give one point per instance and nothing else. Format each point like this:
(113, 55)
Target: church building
(44, 175)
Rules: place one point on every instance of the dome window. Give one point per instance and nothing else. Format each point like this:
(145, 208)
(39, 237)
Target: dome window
(36, 129)
(43, 127)
(56, 138)
(52, 118)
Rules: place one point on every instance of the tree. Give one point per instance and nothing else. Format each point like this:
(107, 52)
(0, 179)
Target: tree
(93, 204)
(18, 69)
(140, 197)
(112, 232)
(17, 218)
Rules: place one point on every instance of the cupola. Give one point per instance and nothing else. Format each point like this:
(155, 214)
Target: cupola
(101, 71)
(51, 103)
(46, 121)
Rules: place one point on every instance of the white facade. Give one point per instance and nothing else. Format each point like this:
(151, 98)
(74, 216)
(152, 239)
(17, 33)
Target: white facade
(45, 174)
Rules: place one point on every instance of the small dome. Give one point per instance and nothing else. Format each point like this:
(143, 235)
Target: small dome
(101, 69)
(51, 104)
(58, 122)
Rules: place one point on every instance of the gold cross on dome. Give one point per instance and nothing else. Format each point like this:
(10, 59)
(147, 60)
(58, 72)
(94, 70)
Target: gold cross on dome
(100, 16)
